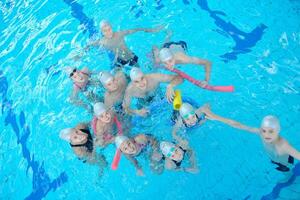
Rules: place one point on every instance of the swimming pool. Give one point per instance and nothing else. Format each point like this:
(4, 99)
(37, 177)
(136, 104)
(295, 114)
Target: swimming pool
(254, 45)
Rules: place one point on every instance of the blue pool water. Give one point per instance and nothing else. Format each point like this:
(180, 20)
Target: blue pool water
(254, 45)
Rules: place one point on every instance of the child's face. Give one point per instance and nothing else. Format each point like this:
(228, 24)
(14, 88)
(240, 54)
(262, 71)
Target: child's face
(140, 83)
(128, 147)
(268, 134)
(78, 137)
(112, 85)
(177, 154)
(105, 117)
(107, 31)
(190, 119)
(77, 77)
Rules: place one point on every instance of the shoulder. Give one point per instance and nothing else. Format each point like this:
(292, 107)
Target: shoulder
(141, 138)
(129, 89)
(119, 34)
(169, 164)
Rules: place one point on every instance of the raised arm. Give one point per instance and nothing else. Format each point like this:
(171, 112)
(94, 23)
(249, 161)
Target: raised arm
(138, 168)
(175, 129)
(210, 115)
(173, 80)
(127, 102)
(147, 30)
(74, 99)
(207, 66)
(169, 34)
(192, 168)
(93, 44)
(194, 60)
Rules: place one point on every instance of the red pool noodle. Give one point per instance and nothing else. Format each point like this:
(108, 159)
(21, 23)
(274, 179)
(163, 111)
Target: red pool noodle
(117, 157)
(116, 160)
(199, 83)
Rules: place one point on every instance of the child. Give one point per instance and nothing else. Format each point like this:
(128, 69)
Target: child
(174, 155)
(138, 145)
(82, 143)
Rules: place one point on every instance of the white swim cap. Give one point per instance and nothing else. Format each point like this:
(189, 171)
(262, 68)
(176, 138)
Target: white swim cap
(69, 70)
(99, 108)
(136, 73)
(105, 77)
(104, 23)
(65, 134)
(165, 54)
(185, 109)
(120, 139)
(271, 121)
(167, 148)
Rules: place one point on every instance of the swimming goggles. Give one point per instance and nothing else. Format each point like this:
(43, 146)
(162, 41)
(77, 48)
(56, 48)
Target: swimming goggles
(171, 152)
(73, 72)
(188, 115)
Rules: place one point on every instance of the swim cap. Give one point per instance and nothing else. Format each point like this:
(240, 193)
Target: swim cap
(167, 148)
(69, 70)
(185, 109)
(105, 77)
(136, 73)
(165, 54)
(65, 134)
(271, 121)
(120, 139)
(104, 23)
(99, 108)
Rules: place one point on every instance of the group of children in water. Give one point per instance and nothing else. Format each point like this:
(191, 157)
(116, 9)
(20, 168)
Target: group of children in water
(112, 110)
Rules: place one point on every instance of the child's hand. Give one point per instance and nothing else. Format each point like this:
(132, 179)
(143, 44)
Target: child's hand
(156, 156)
(170, 94)
(184, 144)
(193, 170)
(140, 172)
(204, 84)
(143, 112)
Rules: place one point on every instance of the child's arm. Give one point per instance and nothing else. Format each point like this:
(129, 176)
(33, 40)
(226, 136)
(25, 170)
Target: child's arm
(212, 116)
(194, 60)
(93, 43)
(181, 142)
(173, 81)
(192, 161)
(147, 30)
(139, 169)
(127, 102)
(292, 151)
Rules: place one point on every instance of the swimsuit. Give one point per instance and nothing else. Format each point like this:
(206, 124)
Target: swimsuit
(282, 167)
(121, 62)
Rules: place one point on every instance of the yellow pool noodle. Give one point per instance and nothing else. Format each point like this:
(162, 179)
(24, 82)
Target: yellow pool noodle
(177, 100)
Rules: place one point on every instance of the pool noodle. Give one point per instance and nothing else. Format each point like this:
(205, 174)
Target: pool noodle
(199, 83)
(117, 156)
